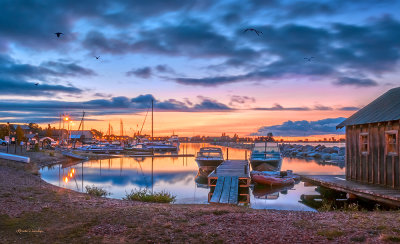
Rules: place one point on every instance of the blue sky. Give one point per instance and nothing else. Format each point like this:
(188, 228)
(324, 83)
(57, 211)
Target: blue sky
(193, 57)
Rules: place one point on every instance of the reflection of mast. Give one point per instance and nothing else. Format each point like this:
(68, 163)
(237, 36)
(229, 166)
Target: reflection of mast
(122, 129)
(120, 166)
(152, 123)
(82, 176)
(152, 175)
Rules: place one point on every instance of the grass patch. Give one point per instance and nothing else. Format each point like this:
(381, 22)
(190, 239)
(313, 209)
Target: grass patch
(144, 195)
(220, 212)
(330, 234)
(390, 238)
(96, 191)
(358, 239)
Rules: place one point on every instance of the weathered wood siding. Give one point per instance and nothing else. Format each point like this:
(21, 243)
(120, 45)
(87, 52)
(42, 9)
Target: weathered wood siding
(376, 166)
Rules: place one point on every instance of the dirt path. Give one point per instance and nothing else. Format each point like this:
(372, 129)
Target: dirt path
(33, 211)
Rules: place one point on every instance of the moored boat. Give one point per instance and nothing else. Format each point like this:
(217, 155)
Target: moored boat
(139, 148)
(209, 157)
(161, 146)
(274, 178)
(266, 156)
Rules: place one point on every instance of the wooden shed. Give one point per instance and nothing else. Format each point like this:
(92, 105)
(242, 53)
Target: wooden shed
(372, 141)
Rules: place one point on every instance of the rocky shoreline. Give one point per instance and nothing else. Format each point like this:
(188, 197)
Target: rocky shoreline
(319, 152)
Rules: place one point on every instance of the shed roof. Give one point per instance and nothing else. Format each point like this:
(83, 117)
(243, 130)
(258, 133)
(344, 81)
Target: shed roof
(384, 108)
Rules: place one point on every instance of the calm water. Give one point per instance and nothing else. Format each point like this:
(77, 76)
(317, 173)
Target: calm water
(179, 176)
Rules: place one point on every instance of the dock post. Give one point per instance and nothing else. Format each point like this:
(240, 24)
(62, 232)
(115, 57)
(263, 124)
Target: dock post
(227, 153)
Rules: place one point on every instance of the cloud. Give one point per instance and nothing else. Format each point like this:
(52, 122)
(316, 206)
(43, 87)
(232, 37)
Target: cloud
(340, 50)
(46, 18)
(278, 107)
(18, 78)
(49, 110)
(302, 128)
(189, 37)
(144, 73)
(163, 68)
(348, 81)
(147, 72)
(349, 108)
(241, 100)
(322, 108)
(208, 104)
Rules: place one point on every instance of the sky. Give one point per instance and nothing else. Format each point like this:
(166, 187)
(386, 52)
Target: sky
(313, 64)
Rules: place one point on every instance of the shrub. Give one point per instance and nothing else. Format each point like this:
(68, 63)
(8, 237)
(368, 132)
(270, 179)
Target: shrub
(36, 148)
(96, 191)
(144, 195)
(330, 234)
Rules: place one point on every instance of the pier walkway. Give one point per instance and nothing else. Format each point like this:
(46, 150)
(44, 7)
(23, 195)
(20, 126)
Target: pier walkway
(229, 183)
(377, 193)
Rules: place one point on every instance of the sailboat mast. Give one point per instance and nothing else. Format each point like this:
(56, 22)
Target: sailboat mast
(152, 122)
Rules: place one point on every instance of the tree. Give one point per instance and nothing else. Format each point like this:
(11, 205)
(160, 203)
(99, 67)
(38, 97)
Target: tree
(4, 131)
(35, 128)
(20, 134)
(97, 133)
(49, 131)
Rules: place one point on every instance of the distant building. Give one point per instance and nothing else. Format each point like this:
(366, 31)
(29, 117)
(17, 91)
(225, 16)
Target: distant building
(372, 141)
(59, 134)
(85, 136)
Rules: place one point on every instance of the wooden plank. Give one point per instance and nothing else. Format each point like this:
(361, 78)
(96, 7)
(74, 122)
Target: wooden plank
(384, 194)
(218, 190)
(379, 155)
(226, 190)
(233, 194)
(14, 157)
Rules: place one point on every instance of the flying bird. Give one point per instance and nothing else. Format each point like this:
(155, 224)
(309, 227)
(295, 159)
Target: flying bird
(251, 29)
(97, 57)
(36, 84)
(309, 59)
(58, 34)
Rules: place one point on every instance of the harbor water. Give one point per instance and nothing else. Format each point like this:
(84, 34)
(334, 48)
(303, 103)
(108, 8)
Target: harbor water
(181, 177)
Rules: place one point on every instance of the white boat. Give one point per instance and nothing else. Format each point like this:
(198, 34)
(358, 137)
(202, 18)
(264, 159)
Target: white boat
(209, 156)
(102, 148)
(161, 146)
(266, 156)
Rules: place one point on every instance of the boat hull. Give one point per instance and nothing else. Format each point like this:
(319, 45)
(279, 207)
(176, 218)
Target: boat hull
(265, 165)
(209, 163)
(272, 180)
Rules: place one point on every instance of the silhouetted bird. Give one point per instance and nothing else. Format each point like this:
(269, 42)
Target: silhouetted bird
(251, 29)
(309, 59)
(97, 57)
(58, 34)
(36, 84)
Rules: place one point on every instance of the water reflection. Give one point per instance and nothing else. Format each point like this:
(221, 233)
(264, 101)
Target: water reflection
(180, 176)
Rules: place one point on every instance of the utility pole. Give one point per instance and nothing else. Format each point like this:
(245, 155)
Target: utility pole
(152, 122)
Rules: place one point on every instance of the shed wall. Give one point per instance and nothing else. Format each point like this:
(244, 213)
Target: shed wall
(376, 166)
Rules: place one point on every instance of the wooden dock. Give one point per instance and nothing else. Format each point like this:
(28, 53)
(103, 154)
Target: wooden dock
(229, 183)
(376, 193)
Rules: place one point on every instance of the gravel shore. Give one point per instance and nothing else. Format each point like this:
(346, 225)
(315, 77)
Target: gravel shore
(33, 211)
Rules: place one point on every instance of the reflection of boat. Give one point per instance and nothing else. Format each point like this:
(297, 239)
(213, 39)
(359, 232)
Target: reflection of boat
(266, 156)
(267, 192)
(274, 178)
(138, 148)
(102, 148)
(174, 140)
(161, 146)
(209, 156)
(204, 171)
(202, 179)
